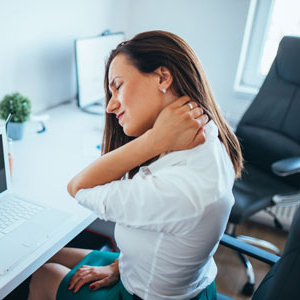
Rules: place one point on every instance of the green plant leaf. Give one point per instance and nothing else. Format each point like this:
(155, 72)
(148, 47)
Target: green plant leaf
(16, 104)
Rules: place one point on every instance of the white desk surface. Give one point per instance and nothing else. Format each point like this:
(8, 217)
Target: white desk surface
(42, 166)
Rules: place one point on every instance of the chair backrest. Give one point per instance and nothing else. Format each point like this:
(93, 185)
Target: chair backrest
(283, 281)
(270, 128)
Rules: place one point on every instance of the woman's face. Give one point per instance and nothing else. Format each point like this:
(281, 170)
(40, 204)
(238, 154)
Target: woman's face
(136, 97)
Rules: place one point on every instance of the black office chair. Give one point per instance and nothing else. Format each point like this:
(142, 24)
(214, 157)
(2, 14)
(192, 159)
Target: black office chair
(282, 281)
(269, 133)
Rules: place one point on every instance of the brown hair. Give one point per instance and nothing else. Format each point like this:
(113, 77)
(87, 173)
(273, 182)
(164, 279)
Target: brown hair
(149, 50)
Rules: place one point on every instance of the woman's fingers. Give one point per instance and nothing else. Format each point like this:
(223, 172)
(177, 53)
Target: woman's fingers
(178, 124)
(180, 102)
(84, 267)
(196, 112)
(81, 273)
(199, 138)
(86, 274)
(202, 120)
(189, 106)
(100, 284)
(200, 135)
(82, 281)
(107, 281)
(76, 277)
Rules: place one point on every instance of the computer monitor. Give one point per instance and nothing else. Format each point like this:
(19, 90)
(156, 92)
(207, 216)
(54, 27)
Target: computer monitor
(5, 182)
(91, 54)
(3, 186)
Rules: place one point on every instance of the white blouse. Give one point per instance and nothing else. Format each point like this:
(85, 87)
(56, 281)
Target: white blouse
(169, 219)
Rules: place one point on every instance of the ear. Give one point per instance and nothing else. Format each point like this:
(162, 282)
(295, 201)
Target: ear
(165, 78)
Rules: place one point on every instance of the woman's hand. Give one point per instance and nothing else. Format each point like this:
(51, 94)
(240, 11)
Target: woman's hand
(99, 276)
(179, 126)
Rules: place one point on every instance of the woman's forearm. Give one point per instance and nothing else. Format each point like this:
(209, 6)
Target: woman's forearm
(115, 267)
(176, 128)
(114, 165)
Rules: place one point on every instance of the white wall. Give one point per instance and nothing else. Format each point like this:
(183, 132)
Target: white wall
(37, 40)
(37, 45)
(214, 28)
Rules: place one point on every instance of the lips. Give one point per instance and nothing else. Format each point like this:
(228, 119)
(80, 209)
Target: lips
(120, 115)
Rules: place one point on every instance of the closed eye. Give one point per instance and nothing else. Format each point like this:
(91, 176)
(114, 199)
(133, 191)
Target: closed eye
(117, 87)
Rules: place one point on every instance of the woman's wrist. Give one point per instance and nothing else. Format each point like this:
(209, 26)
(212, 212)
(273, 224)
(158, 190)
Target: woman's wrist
(154, 146)
(115, 267)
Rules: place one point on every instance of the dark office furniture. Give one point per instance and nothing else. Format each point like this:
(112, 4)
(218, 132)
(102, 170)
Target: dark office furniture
(282, 281)
(269, 133)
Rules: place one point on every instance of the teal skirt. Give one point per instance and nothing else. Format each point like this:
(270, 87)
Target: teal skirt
(115, 292)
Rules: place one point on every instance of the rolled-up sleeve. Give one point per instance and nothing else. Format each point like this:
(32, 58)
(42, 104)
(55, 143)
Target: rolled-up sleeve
(168, 201)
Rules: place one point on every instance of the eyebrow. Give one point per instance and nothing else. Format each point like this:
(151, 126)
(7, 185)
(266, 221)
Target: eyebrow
(113, 81)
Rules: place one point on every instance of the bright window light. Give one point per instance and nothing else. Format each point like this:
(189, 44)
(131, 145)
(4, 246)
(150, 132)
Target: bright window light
(284, 20)
(267, 23)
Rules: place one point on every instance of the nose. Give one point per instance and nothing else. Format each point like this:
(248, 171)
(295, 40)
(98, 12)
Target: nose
(112, 105)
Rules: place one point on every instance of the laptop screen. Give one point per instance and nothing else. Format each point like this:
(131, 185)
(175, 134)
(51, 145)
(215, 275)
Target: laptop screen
(3, 184)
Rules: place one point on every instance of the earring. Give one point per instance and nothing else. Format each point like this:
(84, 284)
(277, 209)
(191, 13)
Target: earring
(164, 90)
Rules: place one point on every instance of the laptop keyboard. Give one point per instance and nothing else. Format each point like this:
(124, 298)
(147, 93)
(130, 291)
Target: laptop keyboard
(14, 212)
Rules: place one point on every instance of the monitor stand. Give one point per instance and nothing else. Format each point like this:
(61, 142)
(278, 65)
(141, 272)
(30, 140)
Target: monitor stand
(95, 109)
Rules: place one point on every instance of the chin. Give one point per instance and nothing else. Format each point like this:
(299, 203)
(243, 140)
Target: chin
(133, 132)
(129, 131)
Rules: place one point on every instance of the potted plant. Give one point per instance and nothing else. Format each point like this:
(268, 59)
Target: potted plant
(19, 107)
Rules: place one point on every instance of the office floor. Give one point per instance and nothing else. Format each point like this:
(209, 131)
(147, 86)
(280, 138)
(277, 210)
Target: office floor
(231, 275)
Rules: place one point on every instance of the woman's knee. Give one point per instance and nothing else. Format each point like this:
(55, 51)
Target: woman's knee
(56, 258)
(69, 257)
(36, 285)
(45, 281)
(37, 276)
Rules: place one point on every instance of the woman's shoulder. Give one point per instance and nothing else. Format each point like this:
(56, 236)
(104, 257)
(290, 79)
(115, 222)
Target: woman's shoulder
(208, 162)
(208, 152)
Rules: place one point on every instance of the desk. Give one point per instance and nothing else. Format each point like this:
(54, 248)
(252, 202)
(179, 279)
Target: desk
(42, 166)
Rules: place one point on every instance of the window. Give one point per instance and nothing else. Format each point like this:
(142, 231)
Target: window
(268, 21)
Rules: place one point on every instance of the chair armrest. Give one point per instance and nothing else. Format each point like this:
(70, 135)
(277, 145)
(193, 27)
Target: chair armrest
(286, 199)
(252, 251)
(286, 167)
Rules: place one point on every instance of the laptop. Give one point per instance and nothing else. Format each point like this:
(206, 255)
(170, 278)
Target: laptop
(24, 224)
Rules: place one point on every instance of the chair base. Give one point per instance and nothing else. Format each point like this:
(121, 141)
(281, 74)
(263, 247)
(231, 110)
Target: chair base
(248, 288)
(259, 243)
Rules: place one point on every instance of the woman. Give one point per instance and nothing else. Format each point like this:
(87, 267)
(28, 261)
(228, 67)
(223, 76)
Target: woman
(171, 207)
